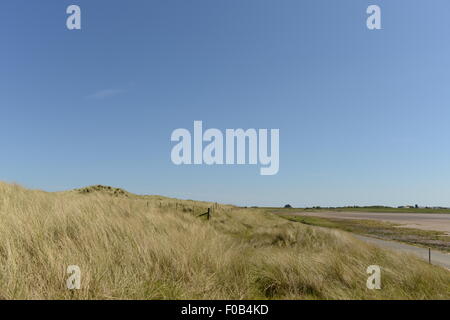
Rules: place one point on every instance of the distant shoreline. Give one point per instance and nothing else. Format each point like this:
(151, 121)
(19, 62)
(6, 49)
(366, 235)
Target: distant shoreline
(439, 210)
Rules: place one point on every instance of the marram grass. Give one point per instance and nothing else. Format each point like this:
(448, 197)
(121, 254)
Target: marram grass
(150, 247)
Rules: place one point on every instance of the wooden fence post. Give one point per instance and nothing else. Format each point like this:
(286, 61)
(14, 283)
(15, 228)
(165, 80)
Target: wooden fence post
(207, 214)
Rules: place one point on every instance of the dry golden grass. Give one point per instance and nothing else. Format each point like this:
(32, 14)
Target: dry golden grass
(150, 247)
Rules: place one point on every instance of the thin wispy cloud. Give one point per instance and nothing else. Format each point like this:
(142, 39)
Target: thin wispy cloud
(104, 94)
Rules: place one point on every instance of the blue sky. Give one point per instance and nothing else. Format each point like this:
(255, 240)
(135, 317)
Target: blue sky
(363, 115)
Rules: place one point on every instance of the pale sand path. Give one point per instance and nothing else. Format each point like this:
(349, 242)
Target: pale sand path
(437, 257)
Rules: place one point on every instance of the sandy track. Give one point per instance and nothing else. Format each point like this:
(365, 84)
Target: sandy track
(438, 258)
